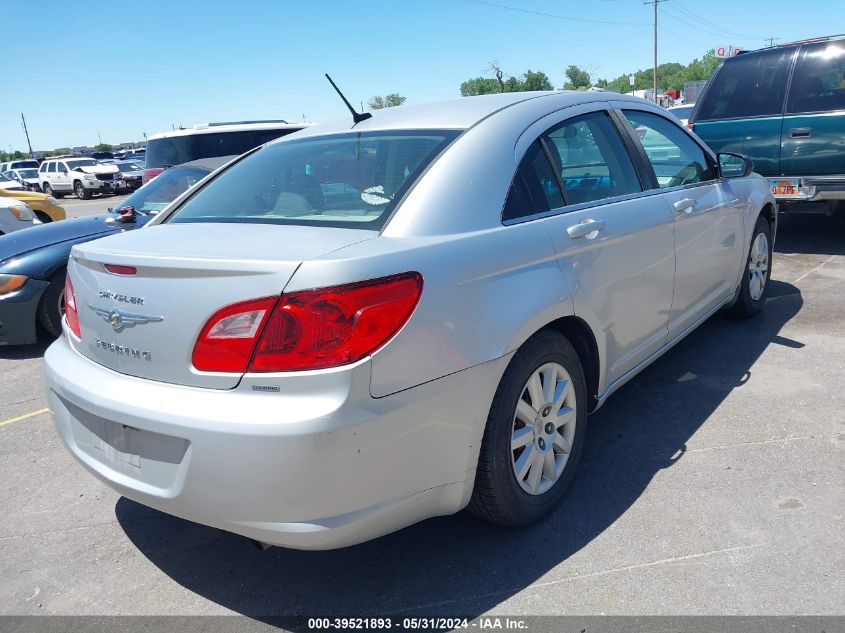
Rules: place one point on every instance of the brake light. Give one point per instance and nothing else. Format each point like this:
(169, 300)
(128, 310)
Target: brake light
(71, 312)
(120, 269)
(310, 329)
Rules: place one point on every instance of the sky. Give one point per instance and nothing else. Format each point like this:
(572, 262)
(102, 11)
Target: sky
(88, 71)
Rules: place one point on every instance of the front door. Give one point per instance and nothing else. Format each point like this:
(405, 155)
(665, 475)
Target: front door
(708, 219)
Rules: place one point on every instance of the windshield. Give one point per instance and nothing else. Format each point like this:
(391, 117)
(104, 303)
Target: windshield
(681, 113)
(28, 173)
(346, 180)
(160, 192)
(85, 162)
(182, 149)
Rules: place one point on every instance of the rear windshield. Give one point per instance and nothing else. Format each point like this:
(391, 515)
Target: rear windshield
(19, 164)
(176, 150)
(346, 180)
(748, 85)
(818, 83)
(164, 189)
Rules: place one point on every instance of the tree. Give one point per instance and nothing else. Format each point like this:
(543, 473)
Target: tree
(102, 147)
(479, 86)
(579, 79)
(389, 101)
(535, 81)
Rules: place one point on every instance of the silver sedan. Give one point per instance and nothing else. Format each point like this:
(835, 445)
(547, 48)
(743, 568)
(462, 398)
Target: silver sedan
(360, 326)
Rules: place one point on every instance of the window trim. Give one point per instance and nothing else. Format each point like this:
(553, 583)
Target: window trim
(609, 110)
(708, 154)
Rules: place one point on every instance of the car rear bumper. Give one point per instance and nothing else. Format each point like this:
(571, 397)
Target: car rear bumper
(18, 313)
(320, 465)
(813, 188)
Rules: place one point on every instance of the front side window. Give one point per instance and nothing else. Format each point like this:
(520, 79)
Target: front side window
(352, 180)
(676, 158)
(591, 159)
(818, 83)
(748, 85)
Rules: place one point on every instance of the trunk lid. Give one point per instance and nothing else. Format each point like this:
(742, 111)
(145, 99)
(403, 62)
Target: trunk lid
(145, 324)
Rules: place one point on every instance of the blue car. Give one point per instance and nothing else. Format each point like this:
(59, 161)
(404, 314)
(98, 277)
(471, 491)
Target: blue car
(33, 261)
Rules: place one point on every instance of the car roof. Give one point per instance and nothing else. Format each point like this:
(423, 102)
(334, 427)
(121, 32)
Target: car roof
(461, 113)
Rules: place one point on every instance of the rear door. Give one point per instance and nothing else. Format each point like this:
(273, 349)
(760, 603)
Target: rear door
(742, 108)
(813, 141)
(60, 179)
(708, 217)
(614, 243)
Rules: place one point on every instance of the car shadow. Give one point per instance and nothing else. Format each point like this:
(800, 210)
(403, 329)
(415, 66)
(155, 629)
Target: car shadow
(811, 234)
(24, 352)
(460, 564)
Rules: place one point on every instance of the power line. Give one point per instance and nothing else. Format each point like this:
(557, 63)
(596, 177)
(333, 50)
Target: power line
(559, 17)
(698, 18)
(704, 29)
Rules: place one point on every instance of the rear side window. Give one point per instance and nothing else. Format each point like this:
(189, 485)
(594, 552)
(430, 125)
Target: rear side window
(818, 83)
(351, 180)
(676, 158)
(535, 188)
(748, 85)
(591, 159)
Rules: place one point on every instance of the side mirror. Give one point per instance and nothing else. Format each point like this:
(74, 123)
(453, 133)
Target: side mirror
(734, 165)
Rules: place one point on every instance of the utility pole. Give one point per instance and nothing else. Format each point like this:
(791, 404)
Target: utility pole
(25, 131)
(655, 3)
(771, 40)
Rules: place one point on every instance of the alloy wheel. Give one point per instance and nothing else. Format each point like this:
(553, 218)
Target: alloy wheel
(758, 266)
(543, 428)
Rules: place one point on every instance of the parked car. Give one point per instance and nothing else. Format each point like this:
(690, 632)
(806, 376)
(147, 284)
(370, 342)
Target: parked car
(81, 176)
(682, 112)
(15, 215)
(784, 107)
(361, 326)
(129, 174)
(33, 263)
(21, 163)
(46, 208)
(9, 184)
(26, 176)
(207, 140)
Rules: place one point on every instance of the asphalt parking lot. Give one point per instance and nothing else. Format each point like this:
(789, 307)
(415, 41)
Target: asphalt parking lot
(713, 483)
(76, 208)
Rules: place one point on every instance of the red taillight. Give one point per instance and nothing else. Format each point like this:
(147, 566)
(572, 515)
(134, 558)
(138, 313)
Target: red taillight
(310, 329)
(149, 174)
(71, 313)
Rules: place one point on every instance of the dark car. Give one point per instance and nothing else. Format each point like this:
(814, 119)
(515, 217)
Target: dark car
(784, 107)
(33, 261)
(130, 173)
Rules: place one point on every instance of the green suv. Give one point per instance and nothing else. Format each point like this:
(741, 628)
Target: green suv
(784, 107)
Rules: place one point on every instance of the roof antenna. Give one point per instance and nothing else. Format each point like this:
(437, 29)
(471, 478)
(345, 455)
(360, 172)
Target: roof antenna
(356, 116)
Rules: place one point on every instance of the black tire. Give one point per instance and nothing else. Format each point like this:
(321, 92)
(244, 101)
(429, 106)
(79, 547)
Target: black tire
(45, 219)
(48, 189)
(50, 307)
(746, 305)
(498, 496)
(81, 192)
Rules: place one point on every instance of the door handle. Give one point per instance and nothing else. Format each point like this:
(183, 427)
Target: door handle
(586, 228)
(685, 206)
(800, 132)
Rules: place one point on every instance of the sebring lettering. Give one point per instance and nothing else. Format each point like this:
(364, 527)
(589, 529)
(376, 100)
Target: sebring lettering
(122, 350)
